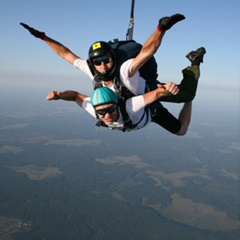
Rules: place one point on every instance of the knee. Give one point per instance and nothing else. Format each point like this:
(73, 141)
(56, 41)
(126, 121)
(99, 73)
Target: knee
(190, 97)
(182, 131)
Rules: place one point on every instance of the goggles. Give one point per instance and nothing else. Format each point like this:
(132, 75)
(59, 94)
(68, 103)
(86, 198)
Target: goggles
(109, 110)
(105, 59)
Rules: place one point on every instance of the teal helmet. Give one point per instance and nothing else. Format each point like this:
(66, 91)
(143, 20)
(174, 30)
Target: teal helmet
(103, 95)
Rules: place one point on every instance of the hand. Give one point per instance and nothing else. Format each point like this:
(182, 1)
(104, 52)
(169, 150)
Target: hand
(53, 95)
(171, 88)
(34, 32)
(166, 23)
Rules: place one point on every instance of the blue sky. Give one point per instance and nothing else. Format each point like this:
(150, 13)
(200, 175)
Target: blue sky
(77, 23)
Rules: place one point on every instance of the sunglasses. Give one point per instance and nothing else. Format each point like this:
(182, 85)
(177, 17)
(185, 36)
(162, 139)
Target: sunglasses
(104, 59)
(109, 110)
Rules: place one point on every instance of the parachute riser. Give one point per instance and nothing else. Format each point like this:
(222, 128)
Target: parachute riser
(129, 35)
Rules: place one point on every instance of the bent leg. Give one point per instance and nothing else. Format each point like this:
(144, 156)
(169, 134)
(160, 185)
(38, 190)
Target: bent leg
(185, 118)
(176, 126)
(166, 120)
(188, 86)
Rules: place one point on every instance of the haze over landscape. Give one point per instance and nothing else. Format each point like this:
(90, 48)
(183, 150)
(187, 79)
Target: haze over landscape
(63, 178)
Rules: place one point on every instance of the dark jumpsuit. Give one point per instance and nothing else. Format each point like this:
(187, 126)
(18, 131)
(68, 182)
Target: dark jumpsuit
(188, 88)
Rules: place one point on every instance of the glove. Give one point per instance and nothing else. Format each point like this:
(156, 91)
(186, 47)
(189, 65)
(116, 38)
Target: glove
(166, 23)
(34, 32)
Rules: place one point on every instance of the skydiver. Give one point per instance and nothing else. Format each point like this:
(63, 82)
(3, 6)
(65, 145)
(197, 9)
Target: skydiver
(104, 105)
(102, 58)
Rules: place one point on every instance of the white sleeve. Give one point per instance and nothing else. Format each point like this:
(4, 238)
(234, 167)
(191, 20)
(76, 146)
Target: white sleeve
(135, 108)
(87, 106)
(83, 66)
(136, 84)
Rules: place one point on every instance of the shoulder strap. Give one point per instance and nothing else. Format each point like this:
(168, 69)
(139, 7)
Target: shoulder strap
(90, 67)
(128, 125)
(126, 119)
(122, 91)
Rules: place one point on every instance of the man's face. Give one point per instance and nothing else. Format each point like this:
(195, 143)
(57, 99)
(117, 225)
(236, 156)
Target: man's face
(108, 113)
(103, 64)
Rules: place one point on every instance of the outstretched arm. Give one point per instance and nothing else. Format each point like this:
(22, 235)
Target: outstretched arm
(60, 49)
(148, 50)
(68, 95)
(154, 42)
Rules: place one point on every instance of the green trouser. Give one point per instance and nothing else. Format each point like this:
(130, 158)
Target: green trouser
(188, 86)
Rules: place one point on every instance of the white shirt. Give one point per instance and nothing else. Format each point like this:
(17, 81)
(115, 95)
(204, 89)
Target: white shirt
(136, 84)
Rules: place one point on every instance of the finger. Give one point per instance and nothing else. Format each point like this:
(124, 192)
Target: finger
(50, 97)
(176, 91)
(172, 88)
